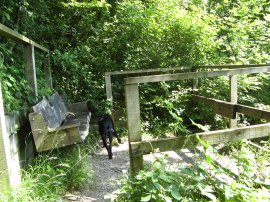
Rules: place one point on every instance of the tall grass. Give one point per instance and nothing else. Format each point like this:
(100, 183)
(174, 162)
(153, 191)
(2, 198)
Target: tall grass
(54, 173)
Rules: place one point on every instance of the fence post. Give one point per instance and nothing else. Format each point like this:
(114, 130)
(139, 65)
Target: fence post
(195, 82)
(233, 98)
(9, 168)
(133, 124)
(30, 68)
(108, 83)
(47, 70)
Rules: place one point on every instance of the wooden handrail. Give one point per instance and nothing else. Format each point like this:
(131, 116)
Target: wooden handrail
(11, 34)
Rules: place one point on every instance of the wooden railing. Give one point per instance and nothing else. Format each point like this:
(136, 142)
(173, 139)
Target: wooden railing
(9, 151)
(138, 148)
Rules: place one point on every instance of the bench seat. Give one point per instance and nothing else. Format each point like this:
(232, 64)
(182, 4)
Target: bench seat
(55, 124)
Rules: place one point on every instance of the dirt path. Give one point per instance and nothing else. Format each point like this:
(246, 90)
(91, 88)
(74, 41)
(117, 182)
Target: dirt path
(106, 173)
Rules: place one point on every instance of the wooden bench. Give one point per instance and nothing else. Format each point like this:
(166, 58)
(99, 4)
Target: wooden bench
(56, 125)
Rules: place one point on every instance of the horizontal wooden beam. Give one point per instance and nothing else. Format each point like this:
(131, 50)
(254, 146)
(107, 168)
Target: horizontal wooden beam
(11, 34)
(191, 141)
(194, 75)
(229, 110)
(143, 71)
(254, 112)
(229, 66)
(222, 108)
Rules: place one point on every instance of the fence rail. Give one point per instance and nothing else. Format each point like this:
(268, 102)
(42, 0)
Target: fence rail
(138, 148)
(10, 155)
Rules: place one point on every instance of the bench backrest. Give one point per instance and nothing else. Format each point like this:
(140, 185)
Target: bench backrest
(53, 110)
(57, 102)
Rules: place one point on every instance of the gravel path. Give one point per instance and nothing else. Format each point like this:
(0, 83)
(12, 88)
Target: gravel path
(106, 173)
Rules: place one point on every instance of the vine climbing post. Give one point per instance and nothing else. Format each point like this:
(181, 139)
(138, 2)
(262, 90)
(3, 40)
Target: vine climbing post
(30, 68)
(134, 124)
(233, 98)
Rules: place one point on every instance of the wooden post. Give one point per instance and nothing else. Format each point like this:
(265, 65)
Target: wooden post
(233, 98)
(195, 82)
(108, 83)
(47, 70)
(133, 124)
(9, 167)
(30, 67)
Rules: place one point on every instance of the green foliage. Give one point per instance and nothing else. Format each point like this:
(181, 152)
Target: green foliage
(205, 180)
(159, 34)
(243, 30)
(54, 173)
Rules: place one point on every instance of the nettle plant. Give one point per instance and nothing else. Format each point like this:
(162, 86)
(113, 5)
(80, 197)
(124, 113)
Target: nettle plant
(204, 180)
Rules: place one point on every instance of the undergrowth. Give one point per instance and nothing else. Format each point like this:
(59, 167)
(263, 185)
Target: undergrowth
(53, 173)
(245, 178)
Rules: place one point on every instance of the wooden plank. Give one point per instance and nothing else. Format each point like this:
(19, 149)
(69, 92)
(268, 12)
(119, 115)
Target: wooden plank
(191, 141)
(144, 71)
(11, 34)
(30, 68)
(108, 84)
(254, 112)
(9, 166)
(133, 123)
(193, 75)
(233, 98)
(229, 66)
(222, 108)
(4, 175)
(228, 109)
(195, 82)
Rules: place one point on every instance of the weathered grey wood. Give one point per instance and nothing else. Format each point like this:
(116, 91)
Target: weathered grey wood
(233, 98)
(4, 175)
(9, 165)
(30, 68)
(254, 112)
(222, 108)
(229, 110)
(47, 70)
(53, 126)
(59, 107)
(133, 123)
(193, 75)
(77, 108)
(195, 82)
(108, 84)
(229, 66)
(9, 33)
(214, 137)
(51, 116)
(144, 71)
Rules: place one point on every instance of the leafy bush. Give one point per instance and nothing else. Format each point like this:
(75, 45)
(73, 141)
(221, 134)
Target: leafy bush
(205, 180)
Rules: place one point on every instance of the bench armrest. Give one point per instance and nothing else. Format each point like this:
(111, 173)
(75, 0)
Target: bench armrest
(78, 107)
(75, 125)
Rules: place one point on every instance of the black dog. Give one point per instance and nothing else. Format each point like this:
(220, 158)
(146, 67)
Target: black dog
(107, 131)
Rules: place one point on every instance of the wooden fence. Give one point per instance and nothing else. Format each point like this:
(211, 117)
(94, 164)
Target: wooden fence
(143, 72)
(138, 148)
(12, 155)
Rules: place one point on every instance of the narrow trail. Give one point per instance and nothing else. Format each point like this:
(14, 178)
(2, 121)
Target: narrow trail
(106, 173)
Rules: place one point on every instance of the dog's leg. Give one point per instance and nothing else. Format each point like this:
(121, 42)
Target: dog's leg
(110, 136)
